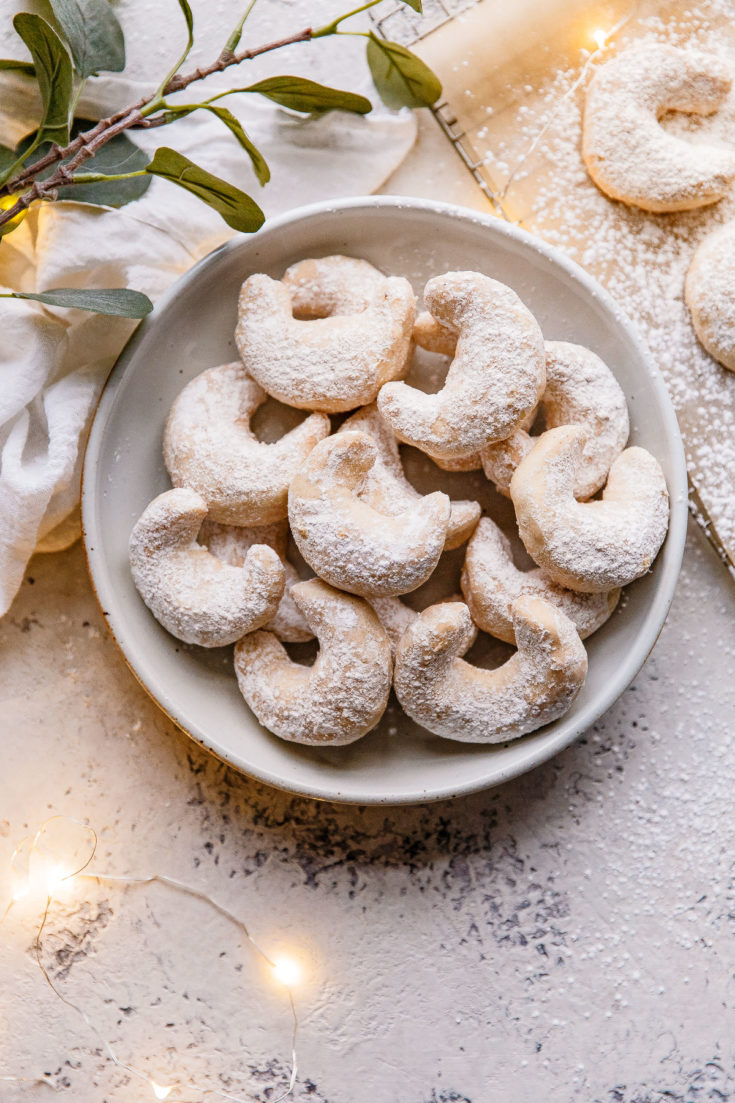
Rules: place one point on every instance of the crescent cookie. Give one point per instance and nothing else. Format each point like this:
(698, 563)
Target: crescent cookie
(710, 294)
(349, 543)
(397, 617)
(330, 363)
(452, 698)
(387, 489)
(589, 546)
(627, 152)
(495, 380)
(208, 445)
(194, 595)
(338, 699)
(232, 543)
(323, 287)
(491, 583)
(580, 390)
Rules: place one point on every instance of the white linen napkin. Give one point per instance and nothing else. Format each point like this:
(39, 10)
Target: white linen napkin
(53, 362)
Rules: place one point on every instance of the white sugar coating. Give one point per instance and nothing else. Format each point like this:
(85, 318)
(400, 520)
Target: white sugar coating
(640, 258)
(338, 699)
(580, 390)
(327, 286)
(397, 617)
(629, 155)
(496, 378)
(349, 543)
(231, 544)
(589, 546)
(334, 363)
(386, 487)
(456, 700)
(195, 596)
(491, 583)
(208, 445)
(710, 294)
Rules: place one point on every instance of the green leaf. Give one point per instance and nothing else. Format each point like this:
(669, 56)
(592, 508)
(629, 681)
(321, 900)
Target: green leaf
(119, 155)
(415, 4)
(402, 79)
(8, 157)
(237, 209)
(120, 301)
(94, 35)
(54, 73)
(300, 94)
(188, 16)
(22, 66)
(260, 165)
(184, 5)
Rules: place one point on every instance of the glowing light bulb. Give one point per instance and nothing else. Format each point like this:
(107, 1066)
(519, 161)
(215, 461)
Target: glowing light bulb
(6, 202)
(21, 890)
(55, 874)
(599, 37)
(287, 971)
(160, 1090)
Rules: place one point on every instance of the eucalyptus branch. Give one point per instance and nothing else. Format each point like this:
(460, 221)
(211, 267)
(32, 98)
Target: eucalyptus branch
(65, 53)
(87, 144)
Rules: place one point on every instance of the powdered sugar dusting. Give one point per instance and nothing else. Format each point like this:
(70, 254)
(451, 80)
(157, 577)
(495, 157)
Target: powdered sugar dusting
(459, 701)
(629, 155)
(231, 544)
(710, 294)
(491, 583)
(589, 546)
(641, 258)
(343, 695)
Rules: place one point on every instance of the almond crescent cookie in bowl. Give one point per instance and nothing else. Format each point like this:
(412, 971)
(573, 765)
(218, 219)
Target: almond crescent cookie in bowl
(338, 699)
(589, 546)
(580, 390)
(195, 596)
(452, 698)
(491, 583)
(386, 487)
(232, 543)
(494, 382)
(332, 363)
(208, 445)
(349, 543)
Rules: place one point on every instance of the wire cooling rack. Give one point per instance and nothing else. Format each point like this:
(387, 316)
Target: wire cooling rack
(401, 24)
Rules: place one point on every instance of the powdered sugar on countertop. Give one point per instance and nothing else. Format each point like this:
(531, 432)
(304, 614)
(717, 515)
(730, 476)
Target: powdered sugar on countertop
(641, 258)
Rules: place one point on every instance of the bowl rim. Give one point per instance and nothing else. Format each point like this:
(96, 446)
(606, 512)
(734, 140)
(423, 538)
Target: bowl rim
(667, 564)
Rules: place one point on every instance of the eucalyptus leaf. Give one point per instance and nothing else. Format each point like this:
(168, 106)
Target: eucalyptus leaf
(120, 301)
(415, 4)
(119, 155)
(54, 74)
(401, 78)
(22, 66)
(8, 157)
(237, 209)
(189, 17)
(260, 165)
(94, 35)
(300, 94)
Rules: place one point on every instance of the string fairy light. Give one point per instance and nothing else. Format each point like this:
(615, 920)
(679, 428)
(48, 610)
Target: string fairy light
(601, 38)
(46, 881)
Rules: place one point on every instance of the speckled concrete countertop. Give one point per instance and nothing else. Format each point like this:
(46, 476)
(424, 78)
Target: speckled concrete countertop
(568, 936)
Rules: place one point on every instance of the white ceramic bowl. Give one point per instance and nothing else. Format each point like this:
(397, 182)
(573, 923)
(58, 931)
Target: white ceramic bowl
(192, 329)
